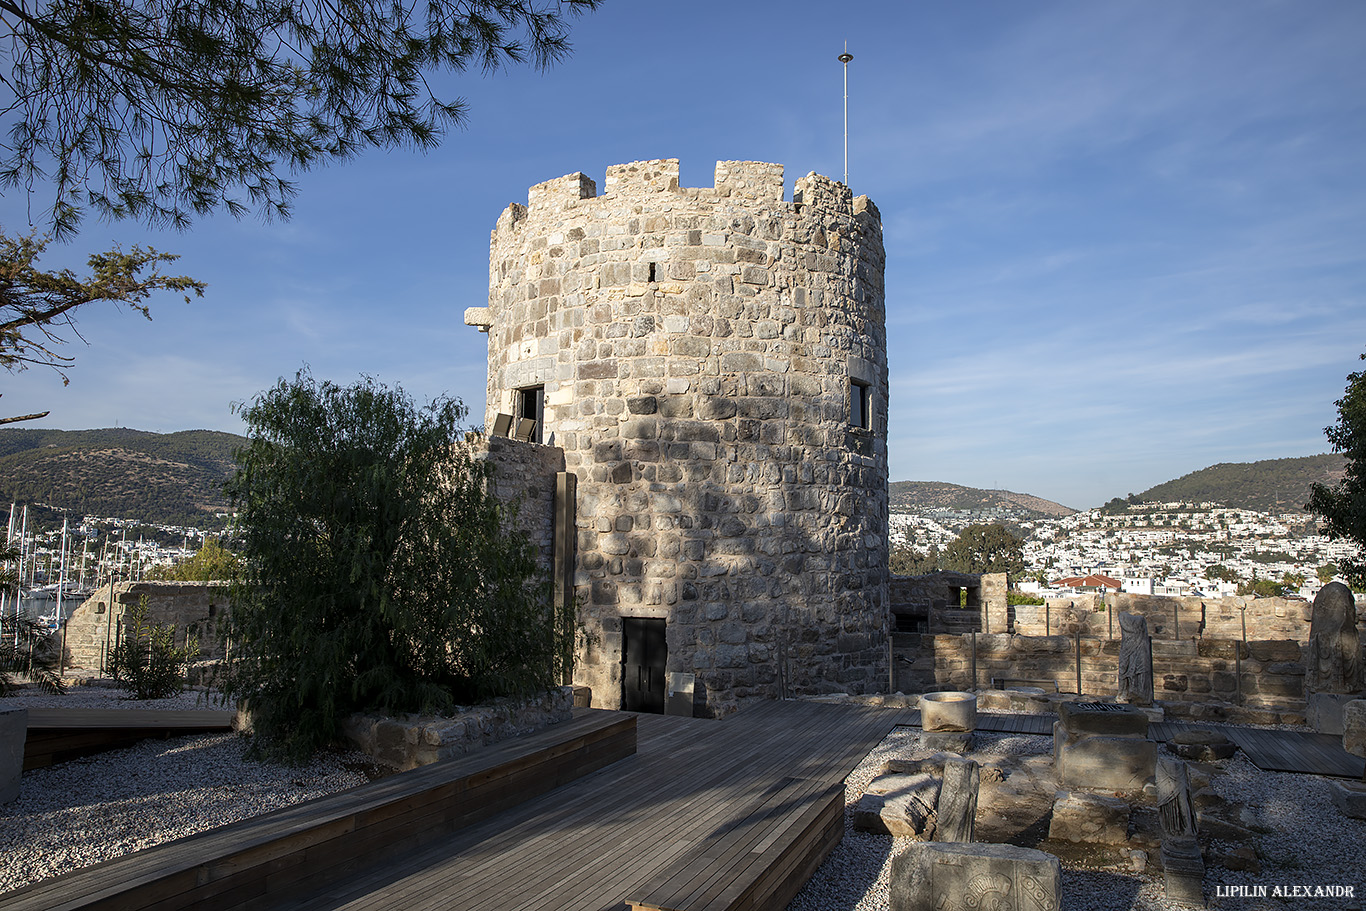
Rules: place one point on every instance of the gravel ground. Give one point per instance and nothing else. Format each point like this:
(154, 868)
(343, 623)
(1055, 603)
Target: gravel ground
(1308, 843)
(87, 810)
(100, 696)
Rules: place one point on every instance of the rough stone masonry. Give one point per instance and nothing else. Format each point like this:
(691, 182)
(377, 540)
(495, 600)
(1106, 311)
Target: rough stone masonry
(713, 363)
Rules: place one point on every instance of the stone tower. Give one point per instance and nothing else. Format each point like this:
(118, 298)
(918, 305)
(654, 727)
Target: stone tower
(713, 363)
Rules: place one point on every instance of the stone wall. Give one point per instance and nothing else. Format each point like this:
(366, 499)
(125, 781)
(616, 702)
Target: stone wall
(1209, 678)
(193, 608)
(707, 357)
(1168, 617)
(416, 740)
(524, 473)
(930, 603)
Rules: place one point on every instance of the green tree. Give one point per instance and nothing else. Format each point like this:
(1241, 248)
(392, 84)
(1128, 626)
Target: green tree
(908, 561)
(1220, 573)
(1262, 588)
(983, 548)
(161, 112)
(1115, 506)
(379, 574)
(1327, 572)
(1342, 507)
(36, 305)
(213, 563)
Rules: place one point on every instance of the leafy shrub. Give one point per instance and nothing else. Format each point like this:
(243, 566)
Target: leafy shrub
(146, 662)
(28, 649)
(379, 573)
(213, 563)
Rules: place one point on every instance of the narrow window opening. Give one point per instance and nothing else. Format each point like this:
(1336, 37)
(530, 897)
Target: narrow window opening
(652, 272)
(531, 407)
(860, 405)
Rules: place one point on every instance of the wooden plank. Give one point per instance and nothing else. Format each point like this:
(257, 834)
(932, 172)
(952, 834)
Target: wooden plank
(220, 868)
(204, 719)
(782, 875)
(648, 789)
(533, 861)
(781, 844)
(713, 854)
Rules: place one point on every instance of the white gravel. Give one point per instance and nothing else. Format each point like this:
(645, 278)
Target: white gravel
(87, 810)
(103, 696)
(1307, 843)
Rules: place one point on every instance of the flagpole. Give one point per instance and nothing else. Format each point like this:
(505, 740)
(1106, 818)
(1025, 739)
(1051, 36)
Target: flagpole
(844, 59)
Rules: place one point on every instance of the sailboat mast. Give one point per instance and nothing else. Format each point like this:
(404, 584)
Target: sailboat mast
(61, 571)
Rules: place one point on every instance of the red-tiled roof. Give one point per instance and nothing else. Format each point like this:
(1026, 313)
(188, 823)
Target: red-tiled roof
(1091, 581)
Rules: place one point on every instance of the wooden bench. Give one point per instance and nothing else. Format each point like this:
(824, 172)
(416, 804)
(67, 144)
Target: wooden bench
(755, 861)
(56, 735)
(262, 862)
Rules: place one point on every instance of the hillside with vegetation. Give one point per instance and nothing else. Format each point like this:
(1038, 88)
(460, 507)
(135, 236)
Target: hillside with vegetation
(924, 496)
(1273, 486)
(171, 478)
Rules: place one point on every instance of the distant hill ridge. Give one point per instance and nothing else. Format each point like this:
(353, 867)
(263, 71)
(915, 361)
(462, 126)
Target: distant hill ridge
(1275, 486)
(162, 478)
(919, 496)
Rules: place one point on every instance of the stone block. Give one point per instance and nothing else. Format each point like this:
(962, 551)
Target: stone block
(1349, 797)
(933, 764)
(1089, 818)
(1183, 871)
(1202, 746)
(13, 734)
(1242, 858)
(948, 712)
(1354, 727)
(899, 805)
(957, 809)
(1274, 650)
(949, 741)
(1106, 763)
(1325, 711)
(1081, 718)
(933, 875)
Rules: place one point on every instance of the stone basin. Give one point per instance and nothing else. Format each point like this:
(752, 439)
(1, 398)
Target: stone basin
(951, 711)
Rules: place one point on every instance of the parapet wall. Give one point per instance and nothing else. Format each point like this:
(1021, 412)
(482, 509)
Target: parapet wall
(1169, 618)
(1212, 679)
(524, 474)
(699, 351)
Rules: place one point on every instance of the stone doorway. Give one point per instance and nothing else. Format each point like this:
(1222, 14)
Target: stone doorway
(643, 656)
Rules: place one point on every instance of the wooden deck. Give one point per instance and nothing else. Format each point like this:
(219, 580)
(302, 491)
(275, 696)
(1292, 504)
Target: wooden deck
(269, 861)
(704, 816)
(1279, 751)
(56, 735)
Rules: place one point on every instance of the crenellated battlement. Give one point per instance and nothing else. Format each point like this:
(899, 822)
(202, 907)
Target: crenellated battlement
(749, 179)
(738, 181)
(657, 176)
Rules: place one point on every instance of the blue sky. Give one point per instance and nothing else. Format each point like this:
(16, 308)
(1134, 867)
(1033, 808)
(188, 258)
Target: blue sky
(1125, 240)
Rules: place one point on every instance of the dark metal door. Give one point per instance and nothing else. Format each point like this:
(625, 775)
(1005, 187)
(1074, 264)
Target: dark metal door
(643, 654)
